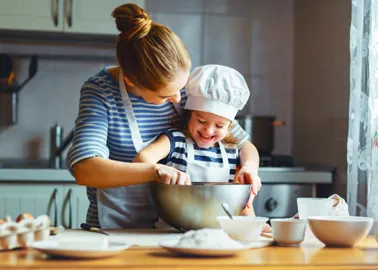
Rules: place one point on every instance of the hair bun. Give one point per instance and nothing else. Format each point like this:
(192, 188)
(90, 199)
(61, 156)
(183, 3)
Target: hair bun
(132, 21)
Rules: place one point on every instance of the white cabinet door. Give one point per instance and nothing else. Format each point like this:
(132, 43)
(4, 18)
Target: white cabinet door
(41, 15)
(93, 16)
(75, 16)
(36, 199)
(75, 206)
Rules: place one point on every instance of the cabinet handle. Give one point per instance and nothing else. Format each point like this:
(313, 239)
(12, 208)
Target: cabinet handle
(55, 192)
(55, 11)
(70, 208)
(68, 12)
(68, 201)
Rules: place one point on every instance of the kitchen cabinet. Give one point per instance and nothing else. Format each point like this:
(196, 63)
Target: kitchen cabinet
(71, 16)
(66, 204)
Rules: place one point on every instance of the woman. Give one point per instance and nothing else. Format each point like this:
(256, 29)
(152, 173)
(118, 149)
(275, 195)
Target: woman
(122, 109)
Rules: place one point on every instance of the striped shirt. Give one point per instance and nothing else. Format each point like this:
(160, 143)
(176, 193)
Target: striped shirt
(102, 128)
(209, 157)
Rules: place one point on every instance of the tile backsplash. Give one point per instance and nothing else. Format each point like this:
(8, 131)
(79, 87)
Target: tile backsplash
(252, 36)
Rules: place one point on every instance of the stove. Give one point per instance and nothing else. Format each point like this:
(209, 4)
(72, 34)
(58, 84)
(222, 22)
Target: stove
(276, 161)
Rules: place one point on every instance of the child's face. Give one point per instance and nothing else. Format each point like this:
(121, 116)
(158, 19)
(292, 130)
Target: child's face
(207, 129)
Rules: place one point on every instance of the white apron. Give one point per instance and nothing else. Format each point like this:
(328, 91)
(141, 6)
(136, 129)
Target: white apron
(127, 207)
(200, 173)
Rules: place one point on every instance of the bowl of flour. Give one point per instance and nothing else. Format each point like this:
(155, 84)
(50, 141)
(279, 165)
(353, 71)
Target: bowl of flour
(207, 239)
(209, 243)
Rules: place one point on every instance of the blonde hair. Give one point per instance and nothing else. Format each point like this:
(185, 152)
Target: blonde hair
(150, 54)
(182, 125)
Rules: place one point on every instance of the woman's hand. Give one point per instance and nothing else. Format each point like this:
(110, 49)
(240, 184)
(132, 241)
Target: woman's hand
(172, 176)
(247, 175)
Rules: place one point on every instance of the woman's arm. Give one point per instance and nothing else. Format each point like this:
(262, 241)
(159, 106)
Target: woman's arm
(105, 173)
(93, 171)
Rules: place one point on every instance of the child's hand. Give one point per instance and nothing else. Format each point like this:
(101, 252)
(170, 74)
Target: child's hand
(248, 210)
(266, 228)
(246, 175)
(172, 176)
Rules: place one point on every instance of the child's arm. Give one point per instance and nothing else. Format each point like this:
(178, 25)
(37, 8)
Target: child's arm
(249, 162)
(156, 151)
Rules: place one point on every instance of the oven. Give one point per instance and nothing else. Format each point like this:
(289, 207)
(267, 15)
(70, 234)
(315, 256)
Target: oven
(280, 200)
(281, 186)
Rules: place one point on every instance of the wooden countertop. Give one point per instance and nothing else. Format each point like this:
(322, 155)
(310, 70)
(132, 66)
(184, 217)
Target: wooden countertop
(310, 255)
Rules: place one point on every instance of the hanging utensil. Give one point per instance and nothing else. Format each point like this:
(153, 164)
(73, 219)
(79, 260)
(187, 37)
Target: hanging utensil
(33, 68)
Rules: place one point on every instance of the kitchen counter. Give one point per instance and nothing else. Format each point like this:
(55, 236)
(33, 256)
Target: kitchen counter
(310, 254)
(267, 175)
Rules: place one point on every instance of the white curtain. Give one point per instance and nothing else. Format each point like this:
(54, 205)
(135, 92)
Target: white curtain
(362, 148)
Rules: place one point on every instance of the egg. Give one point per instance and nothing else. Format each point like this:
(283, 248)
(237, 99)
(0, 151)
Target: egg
(24, 216)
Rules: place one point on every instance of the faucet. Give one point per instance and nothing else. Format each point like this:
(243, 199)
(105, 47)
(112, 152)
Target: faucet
(57, 145)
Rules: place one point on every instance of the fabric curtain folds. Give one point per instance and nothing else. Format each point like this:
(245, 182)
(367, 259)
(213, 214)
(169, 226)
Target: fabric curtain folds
(362, 145)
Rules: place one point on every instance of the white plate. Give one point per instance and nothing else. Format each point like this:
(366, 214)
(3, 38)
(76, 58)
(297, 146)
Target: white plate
(52, 248)
(171, 246)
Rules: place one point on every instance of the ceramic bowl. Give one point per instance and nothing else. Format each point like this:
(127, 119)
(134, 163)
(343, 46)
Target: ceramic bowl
(288, 231)
(243, 228)
(197, 206)
(340, 231)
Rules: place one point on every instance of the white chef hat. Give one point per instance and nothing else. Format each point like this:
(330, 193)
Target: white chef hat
(216, 89)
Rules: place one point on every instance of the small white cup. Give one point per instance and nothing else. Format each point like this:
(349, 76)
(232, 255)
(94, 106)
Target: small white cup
(288, 231)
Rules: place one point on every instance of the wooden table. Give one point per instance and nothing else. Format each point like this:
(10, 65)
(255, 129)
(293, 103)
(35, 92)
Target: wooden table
(310, 255)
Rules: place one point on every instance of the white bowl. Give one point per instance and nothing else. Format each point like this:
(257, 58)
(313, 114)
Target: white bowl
(288, 231)
(340, 231)
(243, 228)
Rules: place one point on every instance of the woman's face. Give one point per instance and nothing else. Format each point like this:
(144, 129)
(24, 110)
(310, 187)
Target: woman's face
(169, 93)
(207, 128)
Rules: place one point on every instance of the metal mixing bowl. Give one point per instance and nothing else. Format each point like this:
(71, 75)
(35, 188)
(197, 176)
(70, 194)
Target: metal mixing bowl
(197, 206)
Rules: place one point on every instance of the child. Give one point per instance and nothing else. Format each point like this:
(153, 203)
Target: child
(203, 146)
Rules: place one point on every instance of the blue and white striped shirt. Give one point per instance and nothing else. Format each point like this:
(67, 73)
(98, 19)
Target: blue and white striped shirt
(209, 157)
(102, 128)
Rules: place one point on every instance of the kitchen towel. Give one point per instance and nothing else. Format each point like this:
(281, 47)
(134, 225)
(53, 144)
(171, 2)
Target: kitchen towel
(339, 207)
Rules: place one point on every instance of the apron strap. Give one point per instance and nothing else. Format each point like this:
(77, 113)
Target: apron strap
(226, 164)
(177, 107)
(190, 147)
(131, 119)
